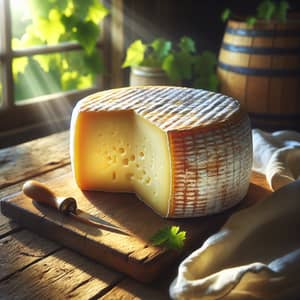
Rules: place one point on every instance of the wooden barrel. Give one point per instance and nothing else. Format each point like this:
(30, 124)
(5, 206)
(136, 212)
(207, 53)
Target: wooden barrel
(260, 66)
(140, 76)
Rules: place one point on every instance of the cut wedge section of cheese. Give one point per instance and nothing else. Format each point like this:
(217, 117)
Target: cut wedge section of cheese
(184, 152)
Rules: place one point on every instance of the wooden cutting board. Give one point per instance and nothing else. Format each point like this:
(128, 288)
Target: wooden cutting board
(134, 254)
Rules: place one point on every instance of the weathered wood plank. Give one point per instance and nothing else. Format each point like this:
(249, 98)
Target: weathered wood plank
(108, 247)
(33, 158)
(131, 290)
(62, 275)
(134, 254)
(17, 187)
(6, 225)
(21, 249)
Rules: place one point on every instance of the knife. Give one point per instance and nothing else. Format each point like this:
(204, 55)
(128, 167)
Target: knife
(41, 193)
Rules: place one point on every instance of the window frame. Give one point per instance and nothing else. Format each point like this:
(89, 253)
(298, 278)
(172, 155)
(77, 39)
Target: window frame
(16, 118)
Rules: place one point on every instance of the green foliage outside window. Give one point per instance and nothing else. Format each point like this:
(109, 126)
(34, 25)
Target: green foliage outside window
(52, 22)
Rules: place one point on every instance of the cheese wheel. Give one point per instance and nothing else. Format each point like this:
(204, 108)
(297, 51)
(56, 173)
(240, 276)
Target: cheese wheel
(184, 152)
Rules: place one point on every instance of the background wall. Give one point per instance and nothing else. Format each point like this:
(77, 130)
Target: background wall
(174, 18)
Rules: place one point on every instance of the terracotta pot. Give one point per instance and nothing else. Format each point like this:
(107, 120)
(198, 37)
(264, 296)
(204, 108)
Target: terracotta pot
(140, 76)
(260, 66)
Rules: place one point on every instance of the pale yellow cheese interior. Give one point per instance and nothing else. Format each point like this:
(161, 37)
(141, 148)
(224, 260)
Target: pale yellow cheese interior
(120, 151)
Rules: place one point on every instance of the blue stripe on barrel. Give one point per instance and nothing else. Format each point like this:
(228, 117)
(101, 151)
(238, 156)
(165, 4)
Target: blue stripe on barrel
(264, 33)
(261, 50)
(260, 72)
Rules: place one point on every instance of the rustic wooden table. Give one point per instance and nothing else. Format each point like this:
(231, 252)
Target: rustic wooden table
(32, 267)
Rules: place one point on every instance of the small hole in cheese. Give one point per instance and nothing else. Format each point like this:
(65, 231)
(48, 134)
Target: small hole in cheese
(148, 180)
(114, 175)
(142, 154)
(121, 150)
(125, 161)
(129, 176)
(132, 157)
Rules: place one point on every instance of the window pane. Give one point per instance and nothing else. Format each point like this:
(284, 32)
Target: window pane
(46, 22)
(50, 73)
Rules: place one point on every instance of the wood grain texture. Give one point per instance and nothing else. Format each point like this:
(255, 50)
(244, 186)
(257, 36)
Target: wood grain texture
(21, 249)
(62, 275)
(257, 92)
(32, 267)
(131, 290)
(6, 225)
(133, 255)
(33, 158)
(271, 83)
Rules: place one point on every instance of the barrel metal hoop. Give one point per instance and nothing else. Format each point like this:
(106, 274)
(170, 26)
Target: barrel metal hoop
(263, 33)
(261, 50)
(260, 72)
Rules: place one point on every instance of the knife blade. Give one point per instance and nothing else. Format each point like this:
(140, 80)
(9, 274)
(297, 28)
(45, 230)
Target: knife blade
(41, 193)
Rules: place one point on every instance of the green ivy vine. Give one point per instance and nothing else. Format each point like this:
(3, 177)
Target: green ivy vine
(53, 22)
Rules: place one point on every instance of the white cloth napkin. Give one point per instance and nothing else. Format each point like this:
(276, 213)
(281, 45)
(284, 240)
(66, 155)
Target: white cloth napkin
(256, 254)
(277, 156)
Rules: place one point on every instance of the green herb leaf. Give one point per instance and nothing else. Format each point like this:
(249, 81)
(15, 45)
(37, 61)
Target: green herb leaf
(184, 62)
(265, 10)
(210, 82)
(161, 48)
(97, 12)
(94, 62)
(70, 80)
(171, 237)
(186, 44)
(150, 61)
(50, 29)
(81, 8)
(226, 15)
(135, 54)
(178, 66)
(70, 22)
(87, 34)
(251, 21)
(19, 65)
(44, 61)
(170, 67)
(205, 63)
(281, 11)
(205, 71)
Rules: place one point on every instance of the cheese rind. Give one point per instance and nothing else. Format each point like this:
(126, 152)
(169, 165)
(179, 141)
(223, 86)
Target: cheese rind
(184, 152)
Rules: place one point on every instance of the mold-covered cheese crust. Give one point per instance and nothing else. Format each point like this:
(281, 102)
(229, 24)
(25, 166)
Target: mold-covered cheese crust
(184, 152)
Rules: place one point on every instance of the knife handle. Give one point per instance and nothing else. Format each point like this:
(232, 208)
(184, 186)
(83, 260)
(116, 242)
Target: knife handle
(39, 192)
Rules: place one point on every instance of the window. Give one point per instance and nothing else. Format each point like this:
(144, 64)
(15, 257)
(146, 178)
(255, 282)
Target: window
(51, 56)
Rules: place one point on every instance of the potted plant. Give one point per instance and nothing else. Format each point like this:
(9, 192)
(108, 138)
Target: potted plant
(161, 63)
(259, 65)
